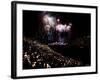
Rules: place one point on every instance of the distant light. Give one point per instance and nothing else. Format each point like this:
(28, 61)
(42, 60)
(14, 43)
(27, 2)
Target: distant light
(58, 20)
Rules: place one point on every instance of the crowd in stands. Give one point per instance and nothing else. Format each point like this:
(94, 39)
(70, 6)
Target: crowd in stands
(37, 55)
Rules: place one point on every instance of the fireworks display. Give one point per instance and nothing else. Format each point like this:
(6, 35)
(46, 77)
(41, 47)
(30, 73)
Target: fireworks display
(51, 24)
(55, 39)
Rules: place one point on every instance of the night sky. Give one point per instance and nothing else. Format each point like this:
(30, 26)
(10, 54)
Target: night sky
(32, 22)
